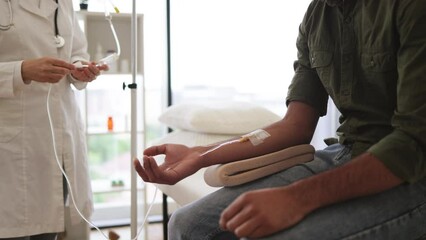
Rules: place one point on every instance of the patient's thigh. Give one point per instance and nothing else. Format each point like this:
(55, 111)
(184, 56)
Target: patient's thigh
(199, 220)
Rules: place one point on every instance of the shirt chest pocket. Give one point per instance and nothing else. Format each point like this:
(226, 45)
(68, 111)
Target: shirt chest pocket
(379, 70)
(378, 62)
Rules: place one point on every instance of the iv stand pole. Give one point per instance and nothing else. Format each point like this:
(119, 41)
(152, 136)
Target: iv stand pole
(134, 126)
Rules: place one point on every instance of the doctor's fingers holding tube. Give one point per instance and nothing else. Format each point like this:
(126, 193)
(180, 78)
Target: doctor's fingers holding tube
(87, 72)
(45, 69)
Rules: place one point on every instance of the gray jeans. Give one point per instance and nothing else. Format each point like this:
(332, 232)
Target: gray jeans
(399, 213)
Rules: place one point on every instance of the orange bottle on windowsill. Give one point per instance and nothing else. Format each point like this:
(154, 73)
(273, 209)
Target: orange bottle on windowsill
(110, 124)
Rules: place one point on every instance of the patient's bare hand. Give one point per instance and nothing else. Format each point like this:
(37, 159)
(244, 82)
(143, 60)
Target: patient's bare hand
(261, 213)
(180, 162)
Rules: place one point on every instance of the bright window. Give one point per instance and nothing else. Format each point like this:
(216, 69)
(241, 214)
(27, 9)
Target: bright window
(234, 49)
(238, 50)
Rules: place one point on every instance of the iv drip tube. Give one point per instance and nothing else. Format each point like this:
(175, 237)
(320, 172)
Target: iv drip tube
(133, 188)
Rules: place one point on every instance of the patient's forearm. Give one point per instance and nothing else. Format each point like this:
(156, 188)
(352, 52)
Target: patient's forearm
(238, 149)
(297, 127)
(363, 176)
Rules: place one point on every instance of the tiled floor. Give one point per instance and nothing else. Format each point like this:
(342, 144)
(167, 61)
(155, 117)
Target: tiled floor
(155, 232)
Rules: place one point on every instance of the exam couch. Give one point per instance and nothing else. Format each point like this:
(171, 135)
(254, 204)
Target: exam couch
(204, 123)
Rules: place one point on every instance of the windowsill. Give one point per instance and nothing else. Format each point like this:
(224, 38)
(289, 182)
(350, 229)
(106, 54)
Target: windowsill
(104, 186)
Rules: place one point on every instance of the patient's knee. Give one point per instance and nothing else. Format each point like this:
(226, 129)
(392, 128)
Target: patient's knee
(178, 224)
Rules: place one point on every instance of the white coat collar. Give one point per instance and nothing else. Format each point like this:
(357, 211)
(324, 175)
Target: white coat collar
(46, 8)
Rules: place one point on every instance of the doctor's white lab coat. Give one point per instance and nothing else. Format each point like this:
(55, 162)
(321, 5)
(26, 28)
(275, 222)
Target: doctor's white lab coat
(31, 183)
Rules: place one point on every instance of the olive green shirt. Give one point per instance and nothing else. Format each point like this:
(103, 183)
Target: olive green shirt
(369, 57)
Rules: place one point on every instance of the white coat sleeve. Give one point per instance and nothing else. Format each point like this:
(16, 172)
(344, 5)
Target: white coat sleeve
(10, 78)
(79, 51)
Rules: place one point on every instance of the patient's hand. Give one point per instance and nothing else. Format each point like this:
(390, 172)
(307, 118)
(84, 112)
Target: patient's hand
(180, 162)
(261, 213)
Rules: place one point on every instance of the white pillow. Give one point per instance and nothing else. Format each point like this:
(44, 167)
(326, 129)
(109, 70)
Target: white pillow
(218, 117)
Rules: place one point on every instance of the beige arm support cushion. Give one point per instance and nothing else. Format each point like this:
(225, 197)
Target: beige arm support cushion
(239, 172)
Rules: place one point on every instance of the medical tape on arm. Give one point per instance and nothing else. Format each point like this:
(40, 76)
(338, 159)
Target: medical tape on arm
(256, 137)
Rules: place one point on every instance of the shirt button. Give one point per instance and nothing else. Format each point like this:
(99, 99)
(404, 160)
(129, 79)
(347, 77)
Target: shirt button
(348, 20)
(372, 63)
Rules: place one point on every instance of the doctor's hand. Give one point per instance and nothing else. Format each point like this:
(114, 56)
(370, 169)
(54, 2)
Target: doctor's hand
(180, 162)
(89, 72)
(263, 212)
(45, 69)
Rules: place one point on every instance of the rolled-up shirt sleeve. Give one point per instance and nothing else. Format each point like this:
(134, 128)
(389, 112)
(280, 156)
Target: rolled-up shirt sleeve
(306, 86)
(403, 151)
